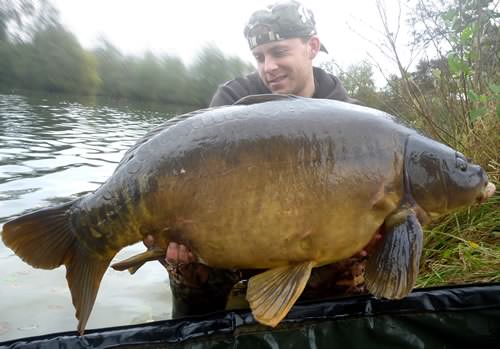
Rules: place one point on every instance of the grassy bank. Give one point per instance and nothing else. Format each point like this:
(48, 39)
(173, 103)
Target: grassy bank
(464, 247)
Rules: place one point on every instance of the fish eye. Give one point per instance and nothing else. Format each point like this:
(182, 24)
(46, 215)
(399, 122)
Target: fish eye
(461, 164)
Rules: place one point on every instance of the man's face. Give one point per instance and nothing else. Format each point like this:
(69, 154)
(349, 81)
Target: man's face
(285, 66)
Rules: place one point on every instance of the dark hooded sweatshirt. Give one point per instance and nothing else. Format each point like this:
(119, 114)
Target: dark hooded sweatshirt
(326, 85)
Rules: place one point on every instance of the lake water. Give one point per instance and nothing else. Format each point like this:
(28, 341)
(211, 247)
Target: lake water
(52, 150)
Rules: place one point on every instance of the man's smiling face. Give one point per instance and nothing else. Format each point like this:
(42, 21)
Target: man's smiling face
(285, 66)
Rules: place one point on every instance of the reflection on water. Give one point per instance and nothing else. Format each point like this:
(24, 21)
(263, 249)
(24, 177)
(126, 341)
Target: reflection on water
(52, 151)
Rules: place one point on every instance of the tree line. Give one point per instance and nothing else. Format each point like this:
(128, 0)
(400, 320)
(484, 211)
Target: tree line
(38, 53)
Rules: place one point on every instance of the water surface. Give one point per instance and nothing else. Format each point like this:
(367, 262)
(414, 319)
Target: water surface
(53, 150)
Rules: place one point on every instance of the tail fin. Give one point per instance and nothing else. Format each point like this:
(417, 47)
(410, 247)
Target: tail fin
(44, 239)
(84, 274)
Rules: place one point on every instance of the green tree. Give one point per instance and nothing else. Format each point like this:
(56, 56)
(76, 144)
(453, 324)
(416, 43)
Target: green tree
(11, 13)
(112, 68)
(358, 81)
(37, 52)
(20, 19)
(6, 64)
(210, 69)
(61, 64)
(451, 91)
(359, 84)
(162, 79)
(174, 81)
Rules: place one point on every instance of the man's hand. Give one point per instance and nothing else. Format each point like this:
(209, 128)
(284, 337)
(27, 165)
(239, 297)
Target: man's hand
(179, 254)
(181, 264)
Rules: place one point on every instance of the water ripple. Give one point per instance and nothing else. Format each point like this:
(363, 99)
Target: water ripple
(54, 149)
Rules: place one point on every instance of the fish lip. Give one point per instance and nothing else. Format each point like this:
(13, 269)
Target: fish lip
(487, 192)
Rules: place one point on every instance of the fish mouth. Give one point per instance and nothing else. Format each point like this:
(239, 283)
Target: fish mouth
(488, 191)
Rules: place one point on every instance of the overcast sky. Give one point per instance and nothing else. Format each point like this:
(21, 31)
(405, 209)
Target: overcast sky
(181, 27)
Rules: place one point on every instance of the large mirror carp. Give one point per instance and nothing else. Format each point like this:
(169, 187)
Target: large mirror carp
(280, 183)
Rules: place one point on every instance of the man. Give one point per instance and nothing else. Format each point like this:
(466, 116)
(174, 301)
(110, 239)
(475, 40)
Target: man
(283, 40)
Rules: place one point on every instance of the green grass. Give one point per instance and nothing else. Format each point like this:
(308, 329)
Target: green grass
(463, 247)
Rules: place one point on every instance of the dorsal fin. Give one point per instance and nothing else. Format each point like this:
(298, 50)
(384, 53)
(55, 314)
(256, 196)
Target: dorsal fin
(254, 99)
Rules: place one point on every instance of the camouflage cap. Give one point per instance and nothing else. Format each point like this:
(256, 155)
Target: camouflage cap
(280, 21)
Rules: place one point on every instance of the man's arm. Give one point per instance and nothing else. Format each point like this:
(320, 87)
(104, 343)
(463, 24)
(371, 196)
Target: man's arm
(223, 96)
(196, 288)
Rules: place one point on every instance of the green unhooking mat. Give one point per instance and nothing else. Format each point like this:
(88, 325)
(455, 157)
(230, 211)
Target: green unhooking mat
(444, 317)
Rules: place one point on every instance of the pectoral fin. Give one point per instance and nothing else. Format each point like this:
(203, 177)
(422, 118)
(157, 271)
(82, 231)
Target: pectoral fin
(272, 294)
(135, 262)
(392, 269)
